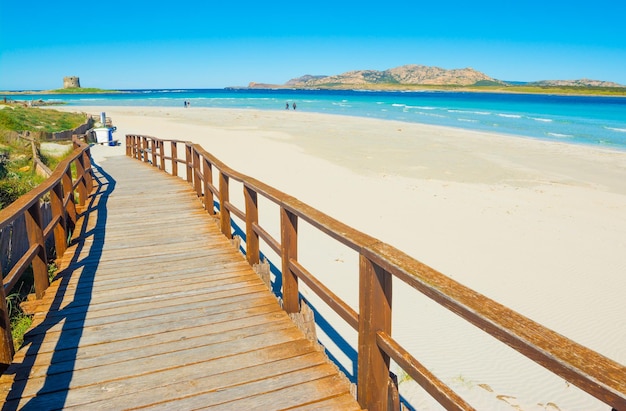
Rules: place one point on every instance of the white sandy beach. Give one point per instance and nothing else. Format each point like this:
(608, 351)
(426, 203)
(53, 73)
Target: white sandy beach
(537, 226)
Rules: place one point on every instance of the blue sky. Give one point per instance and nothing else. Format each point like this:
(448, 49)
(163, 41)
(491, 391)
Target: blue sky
(210, 44)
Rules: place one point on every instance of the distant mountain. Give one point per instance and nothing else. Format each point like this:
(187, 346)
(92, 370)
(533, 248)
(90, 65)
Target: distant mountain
(409, 74)
(584, 82)
(413, 76)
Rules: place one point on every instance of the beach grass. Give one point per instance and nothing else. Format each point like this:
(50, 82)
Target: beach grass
(17, 118)
(21, 321)
(17, 176)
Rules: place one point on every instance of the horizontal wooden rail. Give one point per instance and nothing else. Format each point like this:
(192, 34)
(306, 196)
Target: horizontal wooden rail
(11, 279)
(599, 376)
(433, 385)
(237, 212)
(62, 189)
(333, 301)
(51, 226)
(269, 240)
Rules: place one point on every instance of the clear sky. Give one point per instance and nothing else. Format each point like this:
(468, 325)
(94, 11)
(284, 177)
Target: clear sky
(213, 44)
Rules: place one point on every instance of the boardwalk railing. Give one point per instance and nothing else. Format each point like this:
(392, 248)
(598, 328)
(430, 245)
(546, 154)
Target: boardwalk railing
(378, 263)
(66, 190)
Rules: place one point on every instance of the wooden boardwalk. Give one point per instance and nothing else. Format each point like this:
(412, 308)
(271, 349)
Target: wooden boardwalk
(155, 309)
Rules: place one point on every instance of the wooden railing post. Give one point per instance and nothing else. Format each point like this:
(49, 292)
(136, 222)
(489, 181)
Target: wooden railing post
(60, 231)
(87, 172)
(153, 152)
(207, 173)
(252, 218)
(144, 149)
(34, 229)
(82, 187)
(374, 316)
(162, 155)
(174, 159)
(7, 350)
(128, 146)
(224, 212)
(68, 190)
(135, 143)
(289, 250)
(188, 163)
(197, 183)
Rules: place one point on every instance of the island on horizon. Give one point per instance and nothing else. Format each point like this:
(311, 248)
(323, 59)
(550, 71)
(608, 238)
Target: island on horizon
(419, 77)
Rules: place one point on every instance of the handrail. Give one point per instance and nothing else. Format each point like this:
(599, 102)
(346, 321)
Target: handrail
(599, 376)
(62, 189)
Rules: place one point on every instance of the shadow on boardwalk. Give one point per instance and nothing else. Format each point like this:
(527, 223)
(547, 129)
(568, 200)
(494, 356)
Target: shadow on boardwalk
(71, 315)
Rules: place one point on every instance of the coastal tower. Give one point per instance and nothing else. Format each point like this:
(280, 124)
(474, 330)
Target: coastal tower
(71, 82)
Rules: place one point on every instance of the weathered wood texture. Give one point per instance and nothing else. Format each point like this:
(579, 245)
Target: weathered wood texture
(154, 308)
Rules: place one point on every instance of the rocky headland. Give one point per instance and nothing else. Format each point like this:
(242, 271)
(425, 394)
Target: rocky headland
(415, 76)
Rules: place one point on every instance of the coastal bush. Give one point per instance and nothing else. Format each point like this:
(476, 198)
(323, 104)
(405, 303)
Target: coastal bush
(13, 188)
(16, 173)
(16, 118)
(17, 176)
(53, 160)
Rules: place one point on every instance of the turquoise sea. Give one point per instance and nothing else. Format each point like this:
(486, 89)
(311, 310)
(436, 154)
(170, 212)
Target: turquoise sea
(588, 120)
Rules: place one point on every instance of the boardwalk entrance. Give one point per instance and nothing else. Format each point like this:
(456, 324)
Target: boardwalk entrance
(154, 308)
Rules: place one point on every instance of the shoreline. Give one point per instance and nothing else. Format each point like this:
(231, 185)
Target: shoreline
(537, 226)
(546, 90)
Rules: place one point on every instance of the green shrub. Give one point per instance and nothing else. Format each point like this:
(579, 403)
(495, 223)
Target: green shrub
(12, 187)
(16, 118)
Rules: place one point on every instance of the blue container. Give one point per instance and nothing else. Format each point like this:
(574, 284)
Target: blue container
(111, 141)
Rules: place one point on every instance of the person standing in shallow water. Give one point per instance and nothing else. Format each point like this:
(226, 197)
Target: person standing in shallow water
(287, 106)
(294, 105)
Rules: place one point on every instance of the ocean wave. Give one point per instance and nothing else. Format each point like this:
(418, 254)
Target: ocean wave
(160, 91)
(509, 115)
(467, 120)
(429, 114)
(480, 113)
(559, 135)
(619, 130)
(545, 120)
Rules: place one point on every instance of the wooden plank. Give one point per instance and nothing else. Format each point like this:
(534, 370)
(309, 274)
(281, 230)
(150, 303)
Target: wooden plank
(147, 365)
(154, 307)
(119, 352)
(281, 391)
(141, 312)
(344, 402)
(166, 386)
(48, 355)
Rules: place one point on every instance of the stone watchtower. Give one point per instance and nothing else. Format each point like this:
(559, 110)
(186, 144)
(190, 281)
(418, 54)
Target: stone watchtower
(71, 82)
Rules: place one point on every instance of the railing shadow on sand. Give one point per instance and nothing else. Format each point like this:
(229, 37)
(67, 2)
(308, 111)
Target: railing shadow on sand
(68, 307)
(378, 264)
